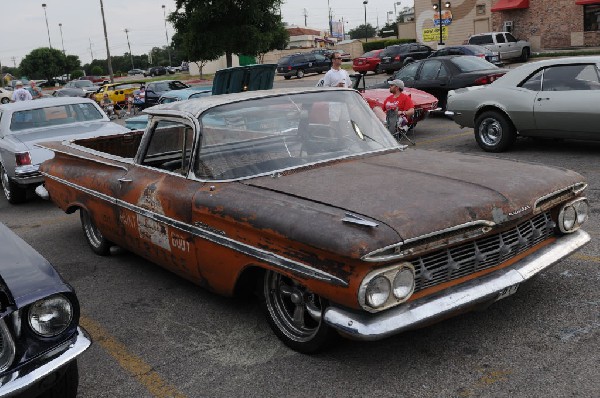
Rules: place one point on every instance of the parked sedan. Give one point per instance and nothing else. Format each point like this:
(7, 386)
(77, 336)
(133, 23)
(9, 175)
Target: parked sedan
(40, 336)
(439, 75)
(156, 71)
(25, 123)
(5, 95)
(155, 89)
(492, 57)
(71, 92)
(368, 62)
(84, 85)
(134, 72)
(555, 98)
(301, 63)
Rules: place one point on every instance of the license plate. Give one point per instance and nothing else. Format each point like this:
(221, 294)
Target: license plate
(494, 58)
(507, 291)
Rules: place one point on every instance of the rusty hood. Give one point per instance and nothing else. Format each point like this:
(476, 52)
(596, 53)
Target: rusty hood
(417, 192)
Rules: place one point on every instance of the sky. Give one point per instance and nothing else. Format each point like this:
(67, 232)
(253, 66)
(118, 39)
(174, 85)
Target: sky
(24, 27)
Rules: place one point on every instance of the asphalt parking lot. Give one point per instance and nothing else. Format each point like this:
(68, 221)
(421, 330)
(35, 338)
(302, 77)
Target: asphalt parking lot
(157, 335)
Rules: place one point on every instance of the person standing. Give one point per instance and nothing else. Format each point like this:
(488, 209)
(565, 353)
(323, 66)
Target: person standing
(20, 94)
(336, 76)
(34, 90)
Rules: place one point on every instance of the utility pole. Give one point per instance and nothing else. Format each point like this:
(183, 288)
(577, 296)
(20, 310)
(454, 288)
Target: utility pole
(14, 62)
(166, 34)
(47, 27)
(61, 38)
(91, 52)
(110, 69)
(130, 54)
(329, 19)
(305, 16)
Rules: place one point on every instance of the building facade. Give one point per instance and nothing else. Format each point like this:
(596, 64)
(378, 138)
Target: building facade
(547, 24)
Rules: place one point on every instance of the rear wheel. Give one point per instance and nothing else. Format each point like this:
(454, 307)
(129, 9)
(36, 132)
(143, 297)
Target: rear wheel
(300, 74)
(525, 54)
(13, 192)
(494, 132)
(98, 243)
(295, 314)
(5, 100)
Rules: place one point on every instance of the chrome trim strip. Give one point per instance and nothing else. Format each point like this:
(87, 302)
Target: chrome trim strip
(484, 290)
(18, 381)
(575, 188)
(370, 256)
(354, 219)
(214, 237)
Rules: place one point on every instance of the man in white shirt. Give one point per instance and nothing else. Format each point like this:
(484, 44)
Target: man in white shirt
(20, 94)
(336, 76)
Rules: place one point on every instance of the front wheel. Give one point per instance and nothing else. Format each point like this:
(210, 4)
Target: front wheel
(13, 192)
(5, 100)
(300, 74)
(295, 314)
(98, 243)
(494, 132)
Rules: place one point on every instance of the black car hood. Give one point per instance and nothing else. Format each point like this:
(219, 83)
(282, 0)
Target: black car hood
(26, 275)
(418, 192)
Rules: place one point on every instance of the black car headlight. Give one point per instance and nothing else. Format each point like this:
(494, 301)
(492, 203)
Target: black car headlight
(50, 317)
(572, 215)
(387, 287)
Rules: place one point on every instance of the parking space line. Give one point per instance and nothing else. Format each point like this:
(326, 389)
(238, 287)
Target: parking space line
(143, 372)
(584, 257)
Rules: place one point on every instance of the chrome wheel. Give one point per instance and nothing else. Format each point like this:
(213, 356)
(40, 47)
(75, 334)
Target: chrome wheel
(490, 131)
(98, 243)
(295, 313)
(13, 193)
(5, 182)
(300, 74)
(5, 100)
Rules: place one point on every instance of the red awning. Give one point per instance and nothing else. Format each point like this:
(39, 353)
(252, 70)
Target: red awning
(504, 5)
(584, 2)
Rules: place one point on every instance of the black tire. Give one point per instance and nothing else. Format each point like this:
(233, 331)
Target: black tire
(295, 314)
(300, 74)
(5, 100)
(98, 243)
(525, 54)
(12, 191)
(67, 385)
(377, 70)
(287, 77)
(494, 132)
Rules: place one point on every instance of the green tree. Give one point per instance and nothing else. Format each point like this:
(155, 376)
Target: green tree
(76, 74)
(97, 70)
(207, 29)
(385, 31)
(44, 63)
(359, 32)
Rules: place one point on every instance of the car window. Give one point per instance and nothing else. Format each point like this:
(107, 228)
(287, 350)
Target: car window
(510, 38)
(369, 54)
(430, 70)
(177, 85)
(408, 73)
(500, 38)
(265, 135)
(320, 58)
(284, 60)
(169, 147)
(534, 82)
(470, 63)
(54, 115)
(483, 39)
(571, 78)
(442, 52)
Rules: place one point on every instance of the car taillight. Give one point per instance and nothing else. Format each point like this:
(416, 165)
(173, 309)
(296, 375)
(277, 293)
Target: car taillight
(481, 55)
(289, 67)
(397, 58)
(23, 159)
(488, 79)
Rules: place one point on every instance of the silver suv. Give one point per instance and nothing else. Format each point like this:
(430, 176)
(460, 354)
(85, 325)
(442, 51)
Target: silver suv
(504, 43)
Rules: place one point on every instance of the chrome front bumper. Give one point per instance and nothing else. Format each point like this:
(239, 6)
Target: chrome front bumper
(19, 381)
(365, 326)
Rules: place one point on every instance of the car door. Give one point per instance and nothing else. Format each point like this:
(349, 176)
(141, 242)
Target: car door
(513, 50)
(433, 77)
(408, 74)
(155, 199)
(568, 102)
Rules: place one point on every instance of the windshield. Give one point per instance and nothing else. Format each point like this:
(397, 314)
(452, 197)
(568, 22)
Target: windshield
(54, 115)
(470, 63)
(83, 83)
(262, 136)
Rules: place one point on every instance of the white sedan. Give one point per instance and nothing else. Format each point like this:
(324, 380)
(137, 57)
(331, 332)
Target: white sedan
(556, 98)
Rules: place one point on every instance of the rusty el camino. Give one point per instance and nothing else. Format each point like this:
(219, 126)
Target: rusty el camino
(305, 194)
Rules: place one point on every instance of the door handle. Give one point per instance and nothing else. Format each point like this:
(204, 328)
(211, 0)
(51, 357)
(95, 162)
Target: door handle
(543, 99)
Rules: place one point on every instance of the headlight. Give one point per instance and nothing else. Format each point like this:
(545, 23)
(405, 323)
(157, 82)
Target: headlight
(573, 215)
(51, 316)
(386, 287)
(378, 291)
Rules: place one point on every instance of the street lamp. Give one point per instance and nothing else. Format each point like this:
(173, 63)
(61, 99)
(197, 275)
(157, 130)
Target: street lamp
(396, 4)
(388, 16)
(166, 34)
(365, 2)
(61, 38)
(47, 28)
(438, 8)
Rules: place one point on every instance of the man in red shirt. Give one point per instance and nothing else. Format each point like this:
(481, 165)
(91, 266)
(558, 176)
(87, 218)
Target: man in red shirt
(397, 100)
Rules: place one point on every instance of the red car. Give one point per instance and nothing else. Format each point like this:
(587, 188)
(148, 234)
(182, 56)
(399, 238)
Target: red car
(368, 62)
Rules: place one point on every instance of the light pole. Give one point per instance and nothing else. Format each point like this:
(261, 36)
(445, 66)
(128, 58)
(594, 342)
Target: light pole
(47, 27)
(128, 45)
(110, 70)
(438, 7)
(388, 16)
(166, 34)
(61, 38)
(396, 4)
(365, 2)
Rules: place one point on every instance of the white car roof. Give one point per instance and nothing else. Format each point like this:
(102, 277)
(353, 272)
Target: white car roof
(43, 103)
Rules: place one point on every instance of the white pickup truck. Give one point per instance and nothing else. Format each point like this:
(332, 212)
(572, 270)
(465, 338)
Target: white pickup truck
(504, 43)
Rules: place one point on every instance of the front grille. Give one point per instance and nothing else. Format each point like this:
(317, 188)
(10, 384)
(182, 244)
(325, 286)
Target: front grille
(457, 262)
(7, 347)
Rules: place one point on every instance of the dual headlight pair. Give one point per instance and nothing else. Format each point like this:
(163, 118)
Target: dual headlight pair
(572, 215)
(387, 287)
